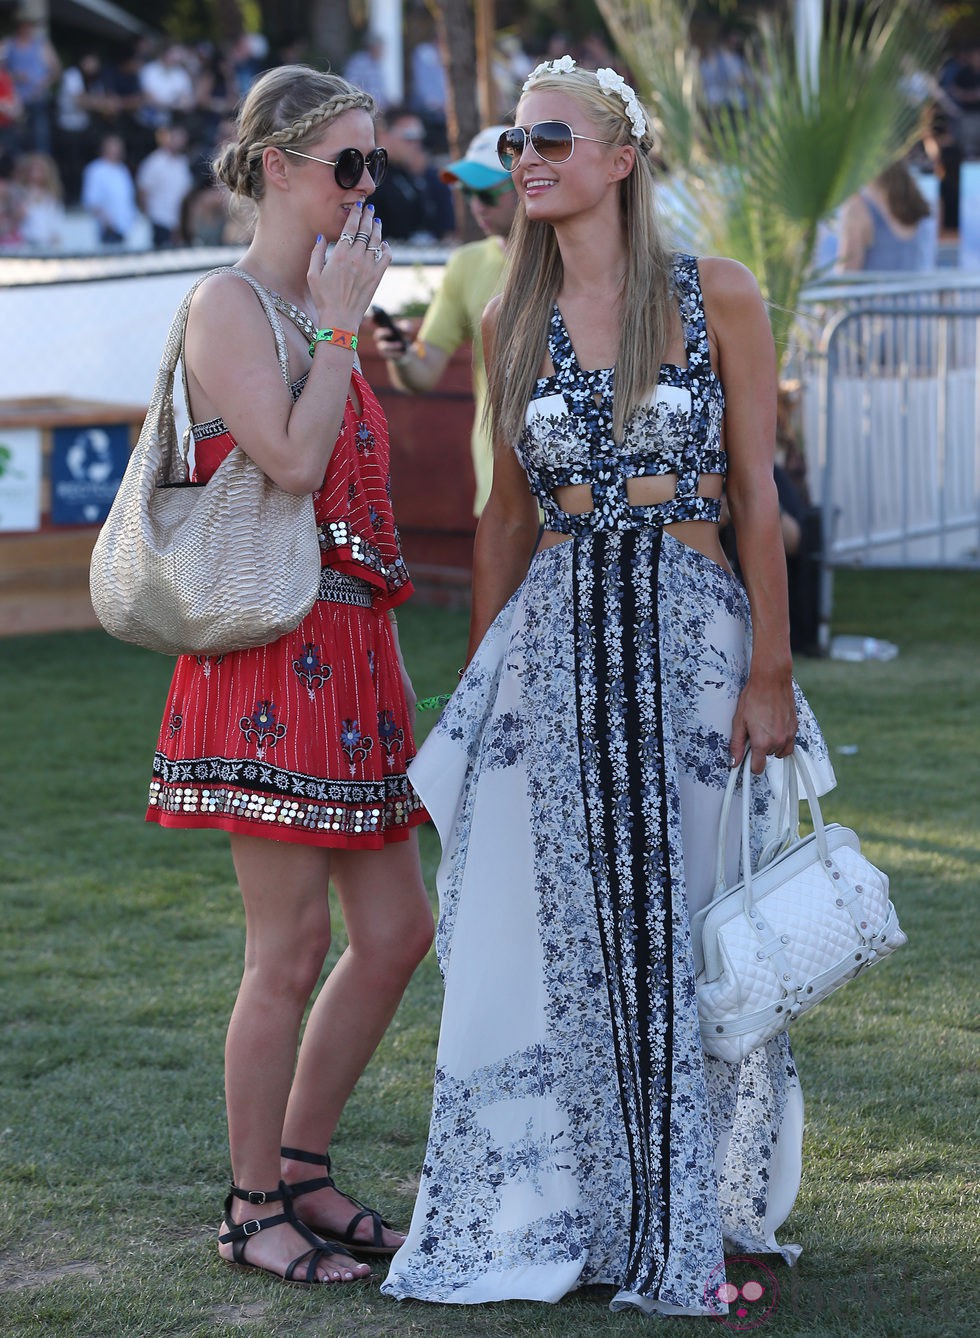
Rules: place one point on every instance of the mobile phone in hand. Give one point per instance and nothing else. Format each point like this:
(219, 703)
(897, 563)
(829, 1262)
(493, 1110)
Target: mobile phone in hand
(382, 319)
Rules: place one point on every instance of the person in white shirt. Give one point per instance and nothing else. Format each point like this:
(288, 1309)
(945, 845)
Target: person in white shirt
(108, 192)
(167, 87)
(163, 181)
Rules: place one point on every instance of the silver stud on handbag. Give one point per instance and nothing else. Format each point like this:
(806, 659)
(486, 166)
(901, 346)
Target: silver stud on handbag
(791, 931)
(202, 569)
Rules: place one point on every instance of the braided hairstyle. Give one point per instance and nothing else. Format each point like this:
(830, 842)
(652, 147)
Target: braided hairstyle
(289, 105)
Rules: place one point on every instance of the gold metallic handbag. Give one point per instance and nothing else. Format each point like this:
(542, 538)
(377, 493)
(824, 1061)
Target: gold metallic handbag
(192, 568)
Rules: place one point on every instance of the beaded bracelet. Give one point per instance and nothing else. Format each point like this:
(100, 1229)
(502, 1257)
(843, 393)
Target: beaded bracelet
(342, 338)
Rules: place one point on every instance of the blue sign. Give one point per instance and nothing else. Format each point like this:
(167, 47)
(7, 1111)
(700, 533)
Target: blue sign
(87, 465)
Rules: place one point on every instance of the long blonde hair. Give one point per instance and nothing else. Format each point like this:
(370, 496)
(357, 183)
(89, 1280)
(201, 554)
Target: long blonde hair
(535, 273)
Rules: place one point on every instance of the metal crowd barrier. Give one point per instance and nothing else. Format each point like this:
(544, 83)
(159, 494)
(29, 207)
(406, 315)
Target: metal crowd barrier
(892, 404)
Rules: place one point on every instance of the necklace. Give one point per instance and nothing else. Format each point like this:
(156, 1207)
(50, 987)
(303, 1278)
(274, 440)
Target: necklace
(298, 317)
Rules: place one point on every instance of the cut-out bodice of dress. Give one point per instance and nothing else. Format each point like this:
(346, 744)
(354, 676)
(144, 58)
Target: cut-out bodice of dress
(568, 433)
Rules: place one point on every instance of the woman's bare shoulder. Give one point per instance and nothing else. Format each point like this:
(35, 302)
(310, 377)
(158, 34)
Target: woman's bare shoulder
(725, 282)
(223, 294)
(491, 312)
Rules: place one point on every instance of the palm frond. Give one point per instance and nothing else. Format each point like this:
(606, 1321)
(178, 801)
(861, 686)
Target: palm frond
(756, 182)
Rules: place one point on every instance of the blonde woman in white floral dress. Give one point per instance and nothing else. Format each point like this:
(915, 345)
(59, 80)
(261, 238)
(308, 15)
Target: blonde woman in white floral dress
(579, 1133)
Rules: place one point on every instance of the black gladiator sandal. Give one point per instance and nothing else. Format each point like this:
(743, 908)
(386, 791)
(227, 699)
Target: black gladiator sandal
(376, 1244)
(239, 1235)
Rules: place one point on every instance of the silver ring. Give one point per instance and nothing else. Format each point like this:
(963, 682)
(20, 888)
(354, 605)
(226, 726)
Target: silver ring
(346, 237)
(364, 237)
(378, 252)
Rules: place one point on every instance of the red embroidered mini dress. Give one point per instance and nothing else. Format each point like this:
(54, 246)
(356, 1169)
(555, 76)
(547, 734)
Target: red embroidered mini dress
(306, 739)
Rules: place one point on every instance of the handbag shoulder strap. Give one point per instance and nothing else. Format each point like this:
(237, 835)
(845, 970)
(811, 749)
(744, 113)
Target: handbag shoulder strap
(160, 416)
(268, 306)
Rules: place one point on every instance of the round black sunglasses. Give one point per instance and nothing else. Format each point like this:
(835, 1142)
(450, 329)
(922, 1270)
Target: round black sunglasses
(348, 166)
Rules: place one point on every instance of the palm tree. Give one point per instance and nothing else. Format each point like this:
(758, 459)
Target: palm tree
(756, 182)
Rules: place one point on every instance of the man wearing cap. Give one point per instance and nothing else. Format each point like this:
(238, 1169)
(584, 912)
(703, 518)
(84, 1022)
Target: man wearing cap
(473, 275)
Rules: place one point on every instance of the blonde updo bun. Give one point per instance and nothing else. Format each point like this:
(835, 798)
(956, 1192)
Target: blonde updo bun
(289, 105)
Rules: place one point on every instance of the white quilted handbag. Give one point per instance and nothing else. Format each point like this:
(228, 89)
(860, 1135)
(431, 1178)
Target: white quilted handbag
(793, 930)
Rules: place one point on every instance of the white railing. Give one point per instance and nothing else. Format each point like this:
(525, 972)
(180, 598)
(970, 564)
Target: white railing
(891, 420)
(93, 327)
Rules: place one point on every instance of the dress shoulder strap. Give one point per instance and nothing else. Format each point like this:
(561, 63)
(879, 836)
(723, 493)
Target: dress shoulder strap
(687, 287)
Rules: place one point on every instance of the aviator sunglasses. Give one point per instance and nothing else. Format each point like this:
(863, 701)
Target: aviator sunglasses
(552, 141)
(348, 166)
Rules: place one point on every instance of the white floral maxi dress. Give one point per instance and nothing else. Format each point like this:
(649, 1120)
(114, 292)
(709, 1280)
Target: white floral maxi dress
(579, 1133)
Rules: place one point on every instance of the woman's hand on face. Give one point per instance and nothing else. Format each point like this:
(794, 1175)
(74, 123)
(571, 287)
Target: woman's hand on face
(344, 282)
(765, 721)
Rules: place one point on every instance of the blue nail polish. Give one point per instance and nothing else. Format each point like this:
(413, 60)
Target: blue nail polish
(319, 238)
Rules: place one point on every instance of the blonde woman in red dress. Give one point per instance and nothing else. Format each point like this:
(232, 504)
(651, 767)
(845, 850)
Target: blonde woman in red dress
(299, 749)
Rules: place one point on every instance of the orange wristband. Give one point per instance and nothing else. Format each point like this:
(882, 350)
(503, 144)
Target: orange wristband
(342, 338)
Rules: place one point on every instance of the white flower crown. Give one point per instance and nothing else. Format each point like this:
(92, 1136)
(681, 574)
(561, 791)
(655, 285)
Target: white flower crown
(608, 80)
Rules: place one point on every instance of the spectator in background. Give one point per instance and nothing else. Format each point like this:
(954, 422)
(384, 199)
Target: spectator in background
(879, 228)
(34, 68)
(725, 77)
(215, 91)
(11, 214)
(415, 203)
(963, 87)
(248, 56)
(127, 113)
(366, 70)
(167, 86)
(511, 66)
(82, 95)
(473, 275)
(429, 91)
(207, 217)
(11, 113)
(163, 180)
(108, 192)
(41, 204)
(799, 525)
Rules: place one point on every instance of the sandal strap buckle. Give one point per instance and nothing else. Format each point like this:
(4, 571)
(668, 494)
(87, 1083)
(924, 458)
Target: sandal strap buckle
(251, 1228)
(257, 1196)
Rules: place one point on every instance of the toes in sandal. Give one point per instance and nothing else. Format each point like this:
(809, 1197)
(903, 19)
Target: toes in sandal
(376, 1243)
(303, 1269)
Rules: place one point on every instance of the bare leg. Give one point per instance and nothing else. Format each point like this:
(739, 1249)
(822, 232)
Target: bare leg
(389, 927)
(287, 923)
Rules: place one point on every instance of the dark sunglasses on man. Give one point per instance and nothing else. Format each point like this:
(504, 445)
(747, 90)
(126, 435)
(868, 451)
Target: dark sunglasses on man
(488, 198)
(348, 166)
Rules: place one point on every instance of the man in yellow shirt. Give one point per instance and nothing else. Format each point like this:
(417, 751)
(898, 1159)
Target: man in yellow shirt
(473, 275)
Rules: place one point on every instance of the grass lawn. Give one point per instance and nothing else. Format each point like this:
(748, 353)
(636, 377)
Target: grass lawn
(119, 957)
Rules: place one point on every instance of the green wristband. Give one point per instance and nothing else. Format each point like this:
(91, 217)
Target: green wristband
(342, 338)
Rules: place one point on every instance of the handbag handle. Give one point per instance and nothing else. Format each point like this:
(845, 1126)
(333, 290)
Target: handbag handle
(794, 769)
(268, 307)
(787, 821)
(171, 469)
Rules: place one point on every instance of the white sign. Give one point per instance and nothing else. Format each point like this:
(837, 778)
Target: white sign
(20, 478)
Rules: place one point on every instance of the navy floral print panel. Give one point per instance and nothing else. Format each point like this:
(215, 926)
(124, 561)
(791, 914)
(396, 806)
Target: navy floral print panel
(568, 435)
